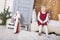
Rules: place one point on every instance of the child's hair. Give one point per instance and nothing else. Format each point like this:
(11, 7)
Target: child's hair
(43, 6)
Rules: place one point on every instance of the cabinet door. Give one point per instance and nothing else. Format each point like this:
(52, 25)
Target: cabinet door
(25, 7)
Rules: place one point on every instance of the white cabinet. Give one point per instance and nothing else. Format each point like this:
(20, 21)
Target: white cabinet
(25, 7)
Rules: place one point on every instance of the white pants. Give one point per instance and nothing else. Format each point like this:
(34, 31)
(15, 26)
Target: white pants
(46, 29)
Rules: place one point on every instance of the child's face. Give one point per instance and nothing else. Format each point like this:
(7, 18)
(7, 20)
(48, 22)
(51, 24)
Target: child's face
(43, 9)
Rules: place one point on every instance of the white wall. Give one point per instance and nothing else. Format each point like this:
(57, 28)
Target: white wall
(9, 3)
(2, 5)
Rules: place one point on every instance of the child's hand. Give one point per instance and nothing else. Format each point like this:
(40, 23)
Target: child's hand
(42, 22)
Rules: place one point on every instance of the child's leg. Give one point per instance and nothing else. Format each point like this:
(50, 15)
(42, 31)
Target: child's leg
(46, 29)
(40, 29)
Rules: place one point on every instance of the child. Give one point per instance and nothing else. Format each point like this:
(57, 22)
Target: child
(17, 23)
(43, 19)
